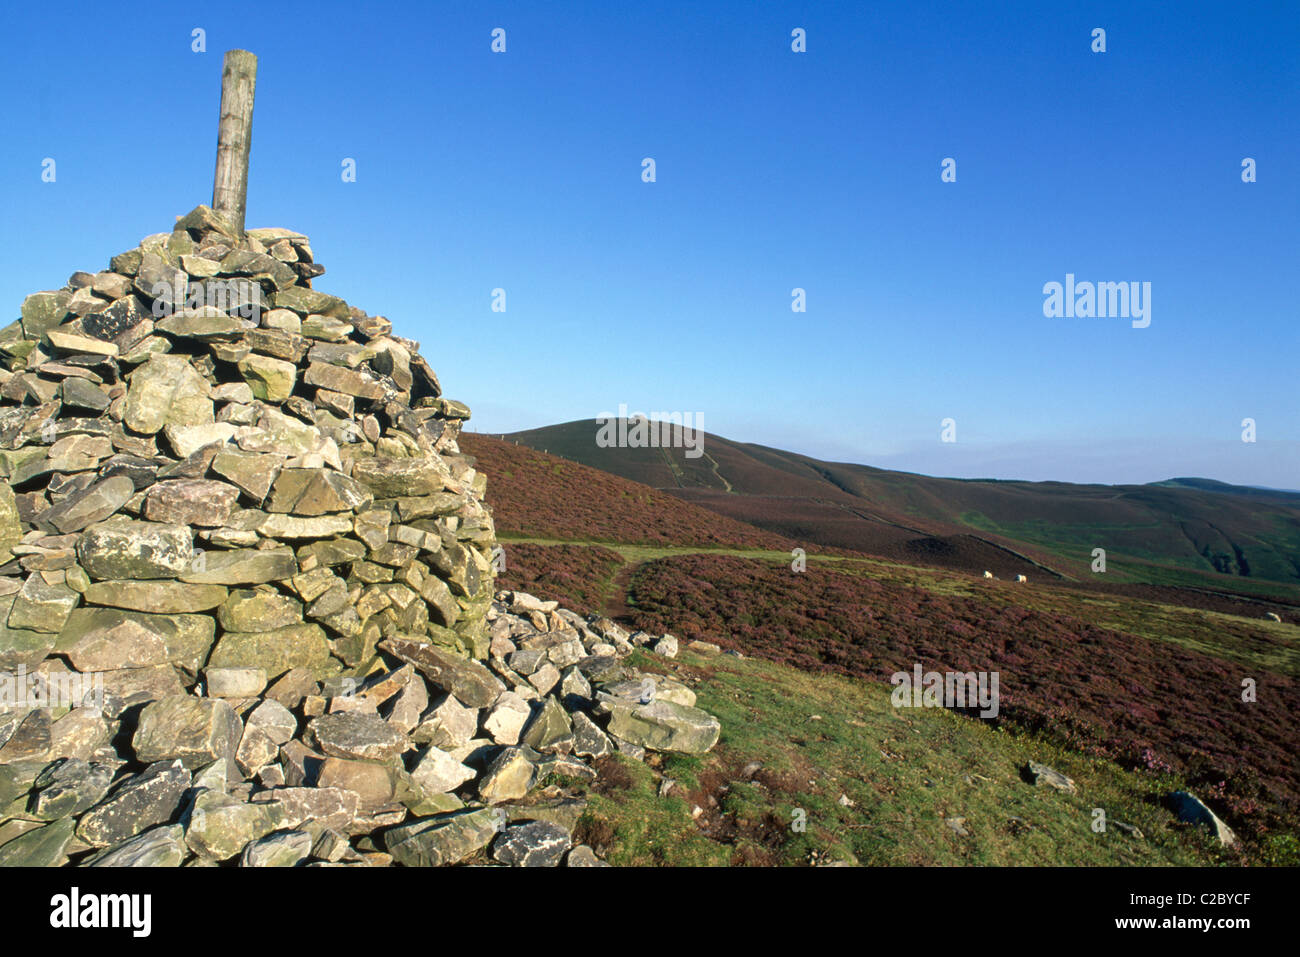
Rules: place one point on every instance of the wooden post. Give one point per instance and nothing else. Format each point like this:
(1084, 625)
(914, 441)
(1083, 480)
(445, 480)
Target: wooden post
(234, 136)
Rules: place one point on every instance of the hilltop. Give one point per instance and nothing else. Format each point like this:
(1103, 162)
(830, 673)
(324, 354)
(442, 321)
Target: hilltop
(542, 496)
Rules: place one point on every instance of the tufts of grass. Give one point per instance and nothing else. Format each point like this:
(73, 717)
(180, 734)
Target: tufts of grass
(628, 824)
(847, 778)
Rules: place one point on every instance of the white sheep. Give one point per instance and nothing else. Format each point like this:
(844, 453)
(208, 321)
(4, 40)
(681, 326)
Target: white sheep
(988, 574)
(1273, 616)
(1021, 578)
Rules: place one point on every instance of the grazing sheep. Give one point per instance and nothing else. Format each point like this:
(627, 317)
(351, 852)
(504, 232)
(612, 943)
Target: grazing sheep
(1021, 578)
(1272, 616)
(988, 574)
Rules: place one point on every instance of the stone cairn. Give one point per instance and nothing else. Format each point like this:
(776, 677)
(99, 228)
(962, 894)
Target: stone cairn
(247, 610)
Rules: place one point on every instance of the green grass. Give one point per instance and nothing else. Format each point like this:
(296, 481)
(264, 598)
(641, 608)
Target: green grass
(645, 553)
(907, 773)
(647, 830)
(1166, 561)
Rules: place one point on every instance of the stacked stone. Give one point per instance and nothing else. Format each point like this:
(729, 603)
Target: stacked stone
(236, 507)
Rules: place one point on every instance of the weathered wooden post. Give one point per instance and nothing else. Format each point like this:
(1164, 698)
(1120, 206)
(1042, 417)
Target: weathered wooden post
(234, 136)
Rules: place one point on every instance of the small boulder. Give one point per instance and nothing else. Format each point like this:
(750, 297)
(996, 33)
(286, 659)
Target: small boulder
(367, 737)
(508, 777)
(445, 839)
(1191, 810)
(1040, 775)
(194, 731)
(281, 849)
(535, 844)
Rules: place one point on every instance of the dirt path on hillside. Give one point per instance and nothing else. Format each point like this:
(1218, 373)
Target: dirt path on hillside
(713, 464)
(616, 606)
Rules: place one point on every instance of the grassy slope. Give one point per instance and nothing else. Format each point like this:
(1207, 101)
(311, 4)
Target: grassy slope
(1139, 702)
(907, 772)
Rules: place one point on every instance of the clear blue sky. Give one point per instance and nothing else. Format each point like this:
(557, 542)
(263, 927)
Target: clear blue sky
(819, 170)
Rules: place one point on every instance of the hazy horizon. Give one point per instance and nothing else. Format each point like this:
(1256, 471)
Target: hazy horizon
(970, 459)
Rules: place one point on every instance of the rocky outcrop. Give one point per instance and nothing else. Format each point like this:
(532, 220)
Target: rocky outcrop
(1040, 775)
(247, 612)
(1192, 810)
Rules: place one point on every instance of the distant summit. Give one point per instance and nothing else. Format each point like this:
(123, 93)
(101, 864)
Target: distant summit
(1213, 485)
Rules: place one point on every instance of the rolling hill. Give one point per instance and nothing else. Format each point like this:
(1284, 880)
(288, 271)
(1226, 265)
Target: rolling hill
(1185, 533)
(535, 495)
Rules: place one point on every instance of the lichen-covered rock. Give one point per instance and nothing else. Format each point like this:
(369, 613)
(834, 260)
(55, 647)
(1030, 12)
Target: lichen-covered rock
(235, 682)
(69, 786)
(43, 847)
(275, 651)
(157, 597)
(124, 548)
(665, 726)
(551, 728)
(105, 639)
(505, 722)
(535, 844)
(470, 683)
(93, 504)
(446, 839)
(583, 856)
(437, 772)
(162, 846)
(21, 647)
(220, 825)
(364, 736)
(509, 777)
(588, 739)
(42, 606)
(166, 390)
(1042, 776)
(449, 725)
(194, 731)
(139, 803)
(190, 502)
(281, 849)
(242, 566)
(248, 609)
(272, 380)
